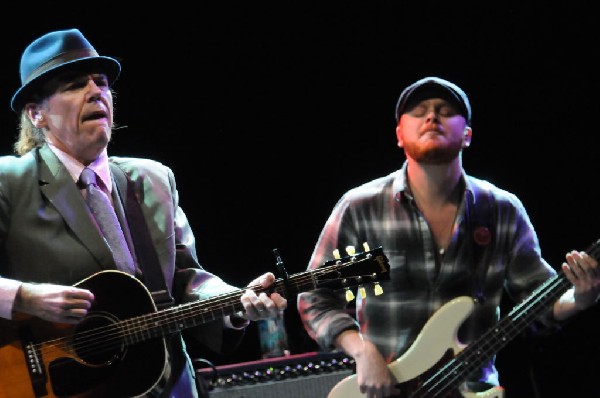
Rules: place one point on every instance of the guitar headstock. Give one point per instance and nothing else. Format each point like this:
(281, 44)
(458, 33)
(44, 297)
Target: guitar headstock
(355, 269)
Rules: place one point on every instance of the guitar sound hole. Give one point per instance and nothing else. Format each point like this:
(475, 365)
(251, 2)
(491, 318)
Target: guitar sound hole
(98, 340)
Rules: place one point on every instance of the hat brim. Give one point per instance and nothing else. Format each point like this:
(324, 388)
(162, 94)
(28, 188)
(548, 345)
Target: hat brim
(431, 90)
(110, 66)
(431, 87)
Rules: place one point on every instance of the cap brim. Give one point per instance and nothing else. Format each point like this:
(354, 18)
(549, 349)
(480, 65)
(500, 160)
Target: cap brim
(431, 90)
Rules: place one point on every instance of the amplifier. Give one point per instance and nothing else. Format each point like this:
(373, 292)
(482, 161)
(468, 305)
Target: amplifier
(308, 375)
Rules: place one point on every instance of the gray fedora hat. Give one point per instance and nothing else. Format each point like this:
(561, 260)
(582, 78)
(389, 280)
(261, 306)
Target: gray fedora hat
(54, 52)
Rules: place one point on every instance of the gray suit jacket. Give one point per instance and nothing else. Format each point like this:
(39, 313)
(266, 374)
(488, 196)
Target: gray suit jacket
(47, 234)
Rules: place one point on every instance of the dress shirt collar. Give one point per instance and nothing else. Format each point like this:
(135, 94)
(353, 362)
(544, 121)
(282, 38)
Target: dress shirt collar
(100, 166)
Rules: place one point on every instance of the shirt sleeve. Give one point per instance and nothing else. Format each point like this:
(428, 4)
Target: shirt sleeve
(324, 312)
(192, 282)
(527, 269)
(8, 293)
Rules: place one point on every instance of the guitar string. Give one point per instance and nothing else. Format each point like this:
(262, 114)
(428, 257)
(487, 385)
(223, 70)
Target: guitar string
(142, 323)
(541, 297)
(452, 373)
(302, 277)
(107, 338)
(95, 341)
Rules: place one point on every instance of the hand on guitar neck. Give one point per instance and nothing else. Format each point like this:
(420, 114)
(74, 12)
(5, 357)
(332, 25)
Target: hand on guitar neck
(437, 363)
(121, 340)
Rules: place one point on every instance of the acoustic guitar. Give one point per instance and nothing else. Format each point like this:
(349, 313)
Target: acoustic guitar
(119, 348)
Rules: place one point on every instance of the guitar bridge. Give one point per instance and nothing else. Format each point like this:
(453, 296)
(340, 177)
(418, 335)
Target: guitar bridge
(33, 360)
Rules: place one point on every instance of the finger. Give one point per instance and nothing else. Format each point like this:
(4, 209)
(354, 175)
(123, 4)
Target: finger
(268, 279)
(253, 306)
(249, 313)
(266, 306)
(279, 301)
(578, 272)
(573, 262)
(583, 267)
(77, 313)
(264, 280)
(269, 308)
(568, 271)
(588, 262)
(250, 298)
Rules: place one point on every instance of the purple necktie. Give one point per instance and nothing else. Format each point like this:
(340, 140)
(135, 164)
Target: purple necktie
(106, 218)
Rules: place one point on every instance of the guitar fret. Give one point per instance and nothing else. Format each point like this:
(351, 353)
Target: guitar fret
(454, 372)
(113, 324)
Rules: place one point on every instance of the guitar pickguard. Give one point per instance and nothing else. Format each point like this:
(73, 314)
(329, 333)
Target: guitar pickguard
(435, 345)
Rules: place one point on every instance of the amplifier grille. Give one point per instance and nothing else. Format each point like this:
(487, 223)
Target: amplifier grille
(310, 375)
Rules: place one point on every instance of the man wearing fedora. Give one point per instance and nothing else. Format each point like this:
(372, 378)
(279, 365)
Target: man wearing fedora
(75, 318)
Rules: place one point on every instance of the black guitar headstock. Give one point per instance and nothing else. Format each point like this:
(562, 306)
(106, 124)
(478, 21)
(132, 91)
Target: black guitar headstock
(354, 270)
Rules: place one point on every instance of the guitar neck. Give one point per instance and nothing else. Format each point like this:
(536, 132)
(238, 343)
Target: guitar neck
(513, 324)
(359, 269)
(184, 316)
(73, 360)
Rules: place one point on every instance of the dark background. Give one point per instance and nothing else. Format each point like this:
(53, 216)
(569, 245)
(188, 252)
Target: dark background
(267, 113)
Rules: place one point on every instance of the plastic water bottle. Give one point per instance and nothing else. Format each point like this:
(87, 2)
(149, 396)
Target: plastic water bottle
(273, 337)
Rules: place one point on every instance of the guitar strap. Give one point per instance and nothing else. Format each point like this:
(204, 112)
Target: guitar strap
(481, 228)
(144, 249)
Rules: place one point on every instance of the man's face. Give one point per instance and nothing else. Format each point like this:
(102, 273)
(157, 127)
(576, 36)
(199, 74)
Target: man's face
(77, 114)
(433, 131)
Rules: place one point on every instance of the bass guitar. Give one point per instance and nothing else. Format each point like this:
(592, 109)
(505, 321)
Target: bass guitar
(437, 363)
(119, 348)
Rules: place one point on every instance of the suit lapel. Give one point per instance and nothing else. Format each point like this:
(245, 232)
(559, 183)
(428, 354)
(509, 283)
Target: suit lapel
(58, 187)
(147, 257)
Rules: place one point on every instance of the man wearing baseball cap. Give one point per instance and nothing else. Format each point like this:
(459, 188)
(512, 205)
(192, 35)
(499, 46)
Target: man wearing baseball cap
(455, 243)
(95, 249)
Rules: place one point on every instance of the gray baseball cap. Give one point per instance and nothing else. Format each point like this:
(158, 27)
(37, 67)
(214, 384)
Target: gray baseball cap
(430, 87)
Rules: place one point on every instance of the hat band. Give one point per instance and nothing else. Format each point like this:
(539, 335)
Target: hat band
(60, 59)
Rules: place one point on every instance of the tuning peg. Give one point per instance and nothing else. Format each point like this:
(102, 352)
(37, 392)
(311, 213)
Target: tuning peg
(336, 254)
(351, 250)
(378, 289)
(366, 247)
(349, 295)
(362, 291)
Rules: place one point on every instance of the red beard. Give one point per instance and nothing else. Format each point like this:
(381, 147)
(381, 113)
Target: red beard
(433, 154)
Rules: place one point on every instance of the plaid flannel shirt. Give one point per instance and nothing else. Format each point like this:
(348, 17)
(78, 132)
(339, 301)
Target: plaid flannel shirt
(383, 213)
